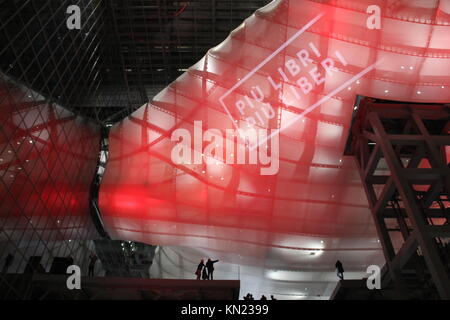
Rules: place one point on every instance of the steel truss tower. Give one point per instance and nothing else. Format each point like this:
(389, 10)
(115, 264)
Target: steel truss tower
(402, 151)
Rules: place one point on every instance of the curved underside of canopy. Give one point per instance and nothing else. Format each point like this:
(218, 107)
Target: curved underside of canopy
(307, 61)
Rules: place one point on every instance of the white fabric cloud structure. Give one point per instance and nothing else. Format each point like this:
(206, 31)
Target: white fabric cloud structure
(293, 69)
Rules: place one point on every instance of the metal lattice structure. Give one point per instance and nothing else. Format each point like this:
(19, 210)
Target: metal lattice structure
(400, 151)
(153, 42)
(40, 52)
(125, 52)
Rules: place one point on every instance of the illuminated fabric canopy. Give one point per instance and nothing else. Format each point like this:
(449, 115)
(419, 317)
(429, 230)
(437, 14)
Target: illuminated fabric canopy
(307, 60)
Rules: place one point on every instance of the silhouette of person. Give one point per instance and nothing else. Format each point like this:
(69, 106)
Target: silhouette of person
(339, 270)
(210, 267)
(8, 262)
(248, 296)
(272, 297)
(263, 297)
(92, 261)
(200, 267)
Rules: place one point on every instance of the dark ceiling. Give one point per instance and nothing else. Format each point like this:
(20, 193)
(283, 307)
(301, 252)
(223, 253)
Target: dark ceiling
(125, 52)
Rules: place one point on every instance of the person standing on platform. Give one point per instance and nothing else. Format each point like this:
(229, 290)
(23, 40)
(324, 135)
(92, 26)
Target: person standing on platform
(339, 270)
(200, 267)
(8, 262)
(210, 267)
(93, 260)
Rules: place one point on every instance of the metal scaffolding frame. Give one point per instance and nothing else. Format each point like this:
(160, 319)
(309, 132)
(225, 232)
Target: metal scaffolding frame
(400, 149)
(124, 54)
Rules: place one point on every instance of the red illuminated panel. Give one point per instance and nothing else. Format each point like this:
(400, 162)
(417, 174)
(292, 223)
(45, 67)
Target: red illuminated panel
(48, 158)
(293, 71)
